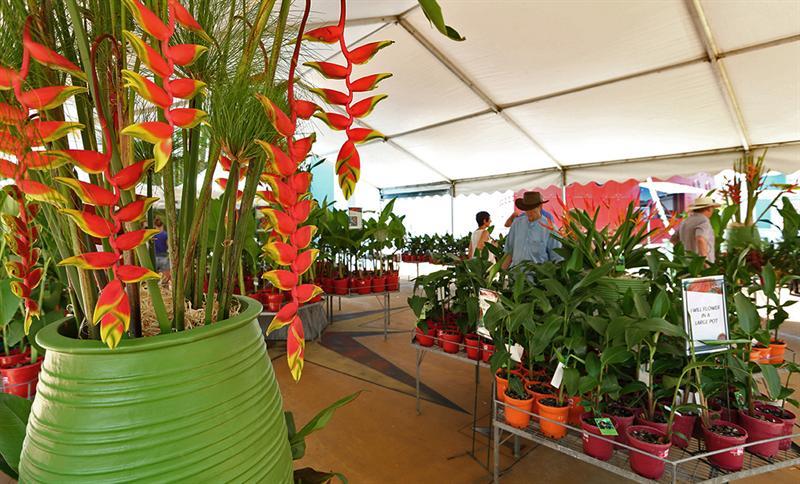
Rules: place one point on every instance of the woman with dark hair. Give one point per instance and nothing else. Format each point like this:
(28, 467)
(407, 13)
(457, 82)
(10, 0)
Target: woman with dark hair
(480, 236)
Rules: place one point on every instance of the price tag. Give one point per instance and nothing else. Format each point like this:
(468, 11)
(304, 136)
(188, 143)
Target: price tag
(606, 426)
(558, 375)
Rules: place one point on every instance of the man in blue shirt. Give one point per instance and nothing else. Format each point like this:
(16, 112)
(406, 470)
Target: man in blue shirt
(529, 238)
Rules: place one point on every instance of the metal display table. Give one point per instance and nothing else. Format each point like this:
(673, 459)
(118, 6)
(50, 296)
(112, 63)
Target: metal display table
(314, 318)
(478, 364)
(387, 306)
(689, 465)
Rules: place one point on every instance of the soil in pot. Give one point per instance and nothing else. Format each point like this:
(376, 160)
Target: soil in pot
(623, 418)
(759, 427)
(539, 391)
(594, 446)
(451, 341)
(787, 417)
(650, 441)
(550, 408)
(725, 435)
(776, 351)
(472, 342)
(516, 408)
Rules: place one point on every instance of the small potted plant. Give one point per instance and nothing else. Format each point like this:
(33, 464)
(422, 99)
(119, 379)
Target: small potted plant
(518, 403)
(648, 440)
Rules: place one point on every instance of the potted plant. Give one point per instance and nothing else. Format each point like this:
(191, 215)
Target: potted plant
(774, 308)
(145, 63)
(518, 403)
(648, 440)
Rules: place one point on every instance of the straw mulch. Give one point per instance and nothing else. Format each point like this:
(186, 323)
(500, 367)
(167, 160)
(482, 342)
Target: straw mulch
(193, 318)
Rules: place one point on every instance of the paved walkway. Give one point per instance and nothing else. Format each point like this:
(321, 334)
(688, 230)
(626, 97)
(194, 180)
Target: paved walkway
(379, 438)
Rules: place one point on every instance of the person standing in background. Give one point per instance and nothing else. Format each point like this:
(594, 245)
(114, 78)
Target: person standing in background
(530, 239)
(481, 236)
(160, 248)
(695, 232)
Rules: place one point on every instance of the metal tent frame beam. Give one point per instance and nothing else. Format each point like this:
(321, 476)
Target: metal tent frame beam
(712, 55)
(704, 32)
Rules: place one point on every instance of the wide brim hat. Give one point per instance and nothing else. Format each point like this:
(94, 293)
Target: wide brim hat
(529, 201)
(701, 203)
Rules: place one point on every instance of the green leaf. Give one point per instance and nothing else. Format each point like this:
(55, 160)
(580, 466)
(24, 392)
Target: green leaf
(14, 412)
(592, 364)
(9, 303)
(571, 381)
(556, 288)
(660, 325)
(592, 277)
(614, 355)
(433, 12)
(324, 416)
(768, 275)
(297, 445)
(661, 305)
(749, 320)
(772, 379)
(308, 475)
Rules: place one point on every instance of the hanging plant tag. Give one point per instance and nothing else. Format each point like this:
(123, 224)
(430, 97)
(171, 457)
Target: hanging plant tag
(558, 375)
(644, 375)
(606, 426)
(739, 398)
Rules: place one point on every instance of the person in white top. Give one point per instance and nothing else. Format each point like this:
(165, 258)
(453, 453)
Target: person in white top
(480, 236)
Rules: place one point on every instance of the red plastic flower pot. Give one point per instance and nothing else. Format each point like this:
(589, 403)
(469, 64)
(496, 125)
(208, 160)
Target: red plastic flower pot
(14, 358)
(327, 285)
(379, 284)
(341, 287)
(593, 446)
(425, 338)
(21, 380)
(623, 418)
(405, 257)
(487, 350)
(364, 286)
(682, 429)
(640, 462)
(725, 435)
(656, 424)
(787, 417)
(515, 411)
(473, 346)
(761, 427)
(575, 411)
(452, 341)
(393, 282)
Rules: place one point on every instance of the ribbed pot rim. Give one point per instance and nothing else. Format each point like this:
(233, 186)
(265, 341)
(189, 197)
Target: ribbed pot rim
(51, 339)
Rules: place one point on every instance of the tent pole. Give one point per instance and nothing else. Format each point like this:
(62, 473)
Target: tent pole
(452, 207)
(564, 186)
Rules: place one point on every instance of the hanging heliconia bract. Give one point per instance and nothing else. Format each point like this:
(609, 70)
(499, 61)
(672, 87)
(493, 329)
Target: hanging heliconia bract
(106, 220)
(348, 162)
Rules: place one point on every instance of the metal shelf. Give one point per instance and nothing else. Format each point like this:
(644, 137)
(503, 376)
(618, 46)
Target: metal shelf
(690, 465)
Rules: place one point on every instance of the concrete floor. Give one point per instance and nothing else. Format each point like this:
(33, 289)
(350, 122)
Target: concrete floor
(379, 438)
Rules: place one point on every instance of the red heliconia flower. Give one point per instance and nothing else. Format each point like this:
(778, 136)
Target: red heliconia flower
(186, 88)
(46, 56)
(305, 109)
(45, 98)
(152, 59)
(147, 20)
(348, 165)
(185, 54)
(329, 69)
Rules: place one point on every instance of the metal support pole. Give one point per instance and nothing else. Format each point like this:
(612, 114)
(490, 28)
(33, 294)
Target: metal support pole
(475, 405)
(452, 208)
(496, 448)
(419, 362)
(385, 316)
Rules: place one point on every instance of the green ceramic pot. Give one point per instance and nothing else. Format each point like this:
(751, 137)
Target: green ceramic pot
(613, 289)
(195, 406)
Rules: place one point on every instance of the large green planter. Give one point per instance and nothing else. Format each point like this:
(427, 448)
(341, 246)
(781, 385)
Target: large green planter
(612, 289)
(196, 406)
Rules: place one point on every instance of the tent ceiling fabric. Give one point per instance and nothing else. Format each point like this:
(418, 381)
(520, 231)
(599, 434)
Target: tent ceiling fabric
(584, 84)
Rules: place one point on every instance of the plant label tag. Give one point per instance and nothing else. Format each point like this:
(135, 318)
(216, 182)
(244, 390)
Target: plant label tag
(516, 352)
(739, 398)
(558, 375)
(606, 426)
(644, 375)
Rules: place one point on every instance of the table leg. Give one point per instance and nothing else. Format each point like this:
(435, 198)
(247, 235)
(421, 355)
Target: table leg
(385, 317)
(496, 448)
(419, 362)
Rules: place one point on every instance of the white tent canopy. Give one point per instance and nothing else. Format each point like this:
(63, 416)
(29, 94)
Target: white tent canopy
(546, 91)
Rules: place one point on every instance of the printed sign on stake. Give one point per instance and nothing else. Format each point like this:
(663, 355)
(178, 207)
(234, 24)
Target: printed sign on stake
(705, 314)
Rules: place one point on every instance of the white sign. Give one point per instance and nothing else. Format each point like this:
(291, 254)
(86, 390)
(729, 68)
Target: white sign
(705, 313)
(356, 218)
